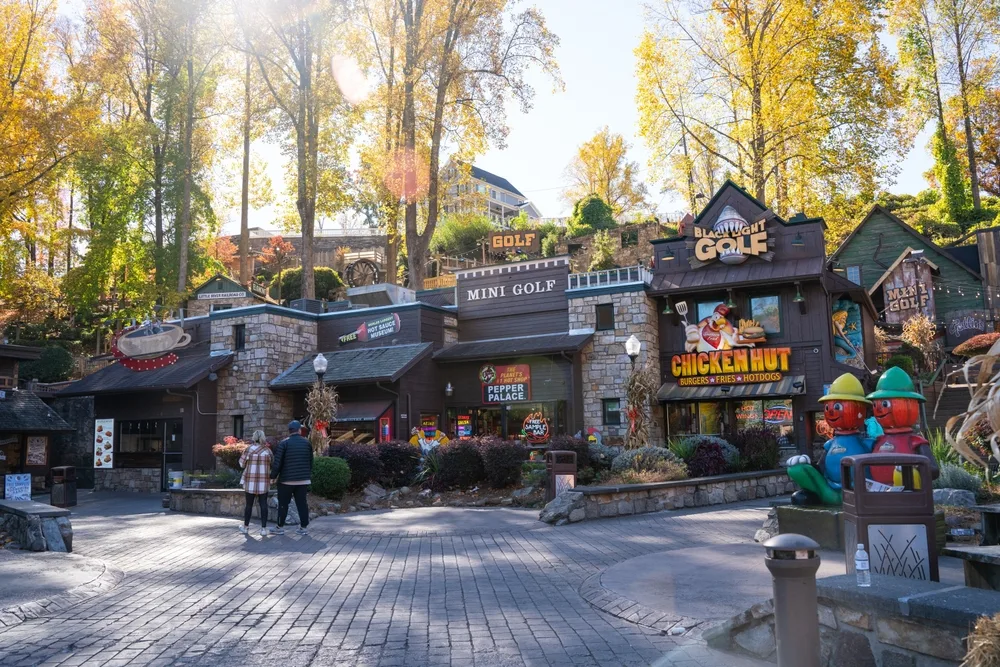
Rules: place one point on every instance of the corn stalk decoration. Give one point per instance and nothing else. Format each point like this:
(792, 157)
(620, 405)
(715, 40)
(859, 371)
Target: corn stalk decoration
(983, 380)
(640, 387)
(322, 405)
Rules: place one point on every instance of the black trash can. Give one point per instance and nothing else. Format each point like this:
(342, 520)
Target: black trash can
(63, 486)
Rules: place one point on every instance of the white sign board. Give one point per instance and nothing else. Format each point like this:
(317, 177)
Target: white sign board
(17, 487)
(222, 295)
(38, 450)
(104, 443)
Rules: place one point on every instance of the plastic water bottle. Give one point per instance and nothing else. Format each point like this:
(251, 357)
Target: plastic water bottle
(861, 568)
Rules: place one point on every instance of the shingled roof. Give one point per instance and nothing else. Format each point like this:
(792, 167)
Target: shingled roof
(23, 412)
(518, 346)
(189, 370)
(366, 364)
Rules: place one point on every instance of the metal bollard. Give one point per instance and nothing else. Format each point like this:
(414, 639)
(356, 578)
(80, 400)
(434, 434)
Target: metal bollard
(793, 562)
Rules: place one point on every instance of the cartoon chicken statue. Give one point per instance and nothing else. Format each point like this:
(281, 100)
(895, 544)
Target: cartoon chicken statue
(897, 408)
(713, 333)
(844, 409)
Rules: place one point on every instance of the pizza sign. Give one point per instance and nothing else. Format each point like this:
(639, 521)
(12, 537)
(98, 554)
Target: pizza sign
(505, 384)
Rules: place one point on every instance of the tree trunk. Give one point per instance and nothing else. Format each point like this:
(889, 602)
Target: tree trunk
(934, 67)
(757, 177)
(158, 212)
(970, 142)
(69, 231)
(411, 19)
(245, 193)
(305, 153)
(187, 150)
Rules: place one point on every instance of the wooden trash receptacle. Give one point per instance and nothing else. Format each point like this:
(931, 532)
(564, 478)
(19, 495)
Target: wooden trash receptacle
(897, 527)
(560, 468)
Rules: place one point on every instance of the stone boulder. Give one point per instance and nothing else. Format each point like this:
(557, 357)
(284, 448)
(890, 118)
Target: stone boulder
(567, 507)
(769, 529)
(959, 497)
(374, 493)
(293, 512)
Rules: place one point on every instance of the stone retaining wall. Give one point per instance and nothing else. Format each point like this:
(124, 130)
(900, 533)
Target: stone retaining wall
(895, 623)
(36, 526)
(226, 502)
(139, 480)
(599, 502)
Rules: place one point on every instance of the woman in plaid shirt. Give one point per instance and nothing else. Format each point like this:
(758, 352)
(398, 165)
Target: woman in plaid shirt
(256, 480)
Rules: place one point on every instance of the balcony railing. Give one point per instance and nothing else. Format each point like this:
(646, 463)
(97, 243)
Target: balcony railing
(628, 274)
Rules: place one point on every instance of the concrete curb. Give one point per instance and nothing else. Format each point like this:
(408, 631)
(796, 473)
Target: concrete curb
(108, 580)
(608, 601)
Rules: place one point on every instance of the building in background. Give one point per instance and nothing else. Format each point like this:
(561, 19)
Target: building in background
(479, 191)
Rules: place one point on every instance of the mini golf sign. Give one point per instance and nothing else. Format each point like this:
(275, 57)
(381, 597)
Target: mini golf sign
(505, 384)
(738, 366)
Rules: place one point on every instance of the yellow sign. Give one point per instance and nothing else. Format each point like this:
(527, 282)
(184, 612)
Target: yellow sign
(735, 366)
(749, 240)
(526, 241)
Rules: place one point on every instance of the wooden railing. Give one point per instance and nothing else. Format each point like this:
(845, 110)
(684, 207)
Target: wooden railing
(628, 274)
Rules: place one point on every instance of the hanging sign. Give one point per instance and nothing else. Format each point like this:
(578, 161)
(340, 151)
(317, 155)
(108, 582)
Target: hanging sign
(38, 450)
(505, 384)
(373, 329)
(104, 443)
(965, 324)
(464, 426)
(536, 428)
(739, 366)
(906, 292)
(526, 241)
(17, 487)
(731, 240)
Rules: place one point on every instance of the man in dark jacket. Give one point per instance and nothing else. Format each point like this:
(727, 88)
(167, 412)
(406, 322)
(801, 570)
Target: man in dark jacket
(292, 467)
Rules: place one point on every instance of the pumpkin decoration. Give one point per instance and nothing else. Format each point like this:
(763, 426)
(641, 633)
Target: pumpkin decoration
(896, 414)
(897, 409)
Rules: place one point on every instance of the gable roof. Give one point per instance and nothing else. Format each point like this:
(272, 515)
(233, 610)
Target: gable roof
(878, 208)
(718, 195)
(24, 412)
(190, 369)
(22, 352)
(494, 180)
(892, 267)
(218, 276)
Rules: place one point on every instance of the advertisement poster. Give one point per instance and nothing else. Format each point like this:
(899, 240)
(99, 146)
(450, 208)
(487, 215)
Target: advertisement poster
(464, 426)
(536, 428)
(848, 343)
(429, 425)
(38, 450)
(17, 487)
(104, 443)
(372, 330)
(505, 384)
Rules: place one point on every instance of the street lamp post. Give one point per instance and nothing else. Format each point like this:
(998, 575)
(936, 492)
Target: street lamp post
(319, 365)
(632, 348)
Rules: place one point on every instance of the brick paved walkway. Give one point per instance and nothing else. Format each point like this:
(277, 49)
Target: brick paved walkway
(465, 587)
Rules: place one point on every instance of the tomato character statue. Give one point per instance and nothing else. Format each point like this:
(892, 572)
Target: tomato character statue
(844, 409)
(896, 405)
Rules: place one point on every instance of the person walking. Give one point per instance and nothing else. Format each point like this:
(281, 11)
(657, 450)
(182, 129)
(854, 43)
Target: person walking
(293, 462)
(256, 480)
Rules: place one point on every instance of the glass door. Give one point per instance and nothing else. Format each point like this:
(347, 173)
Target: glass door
(489, 421)
(173, 449)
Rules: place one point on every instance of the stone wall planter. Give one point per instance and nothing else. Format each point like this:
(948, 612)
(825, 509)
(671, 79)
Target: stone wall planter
(37, 526)
(895, 622)
(598, 502)
(138, 480)
(225, 502)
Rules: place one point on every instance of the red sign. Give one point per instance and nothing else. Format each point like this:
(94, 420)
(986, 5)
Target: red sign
(737, 366)
(536, 428)
(505, 384)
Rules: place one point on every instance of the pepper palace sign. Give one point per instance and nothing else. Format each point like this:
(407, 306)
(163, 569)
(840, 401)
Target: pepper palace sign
(736, 366)
(505, 384)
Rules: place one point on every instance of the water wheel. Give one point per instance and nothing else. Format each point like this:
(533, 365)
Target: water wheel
(362, 272)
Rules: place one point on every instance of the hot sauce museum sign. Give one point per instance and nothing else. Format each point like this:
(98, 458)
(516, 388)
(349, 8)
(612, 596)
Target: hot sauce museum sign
(505, 384)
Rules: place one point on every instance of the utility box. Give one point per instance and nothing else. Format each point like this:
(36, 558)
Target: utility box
(63, 486)
(560, 468)
(896, 526)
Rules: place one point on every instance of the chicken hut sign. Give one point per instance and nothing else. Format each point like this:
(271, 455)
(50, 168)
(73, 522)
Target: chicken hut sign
(731, 240)
(718, 353)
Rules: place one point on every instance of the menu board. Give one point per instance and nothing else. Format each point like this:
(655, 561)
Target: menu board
(464, 426)
(38, 450)
(17, 487)
(104, 443)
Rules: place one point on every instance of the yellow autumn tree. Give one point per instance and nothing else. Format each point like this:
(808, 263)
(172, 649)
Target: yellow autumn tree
(796, 101)
(601, 166)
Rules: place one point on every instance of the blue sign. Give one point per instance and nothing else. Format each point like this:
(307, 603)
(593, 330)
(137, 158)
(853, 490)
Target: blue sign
(17, 487)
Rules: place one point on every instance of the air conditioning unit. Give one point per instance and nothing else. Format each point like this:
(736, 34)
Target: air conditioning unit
(309, 305)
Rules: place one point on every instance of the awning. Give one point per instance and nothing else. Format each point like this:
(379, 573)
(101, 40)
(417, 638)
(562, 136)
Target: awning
(23, 412)
(790, 385)
(189, 370)
(359, 366)
(361, 411)
(735, 276)
(516, 346)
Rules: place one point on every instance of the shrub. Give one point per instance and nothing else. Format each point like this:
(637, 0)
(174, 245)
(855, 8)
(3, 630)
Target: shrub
(230, 451)
(399, 460)
(502, 460)
(601, 456)
(461, 465)
(590, 214)
(361, 459)
(708, 460)
(940, 449)
(643, 458)
(571, 444)
(326, 280)
(690, 444)
(902, 361)
(758, 447)
(682, 447)
(55, 365)
(957, 477)
(664, 471)
(330, 476)
(976, 345)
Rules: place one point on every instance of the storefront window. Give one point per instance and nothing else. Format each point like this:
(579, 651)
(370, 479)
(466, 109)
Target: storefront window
(767, 311)
(140, 437)
(822, 431)
(489, 422)
(712, 418)
(611, 409)
(748, 413)
(706, 308)
(682, 418)
(10, 455)
(778, 413)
